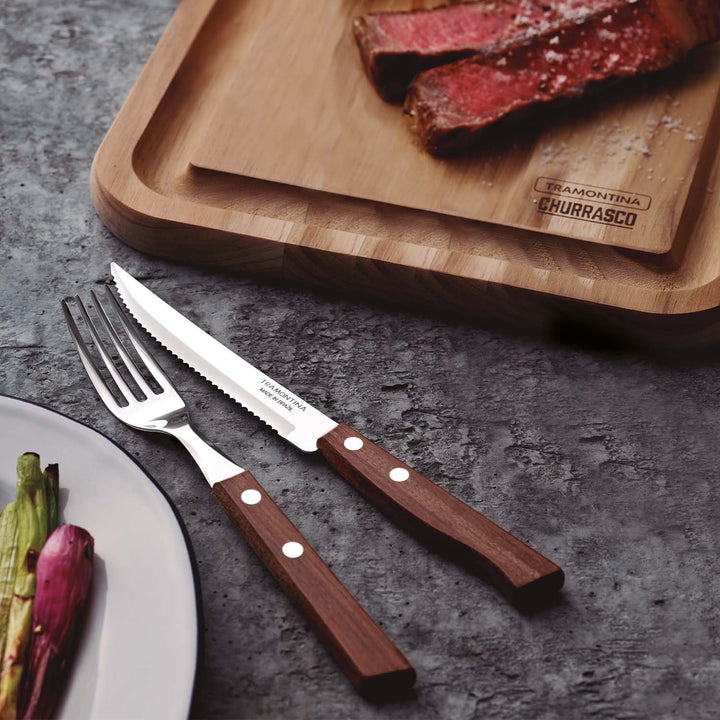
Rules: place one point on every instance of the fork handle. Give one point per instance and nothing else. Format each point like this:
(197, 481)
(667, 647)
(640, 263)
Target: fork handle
(362, 650)
(526, 577)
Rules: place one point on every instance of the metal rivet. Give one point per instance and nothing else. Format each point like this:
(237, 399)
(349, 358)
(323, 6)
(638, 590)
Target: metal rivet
(292, 549)
(399, 474)
(353, 443)
(251, 497)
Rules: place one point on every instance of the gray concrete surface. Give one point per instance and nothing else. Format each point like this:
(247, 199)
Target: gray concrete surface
(606, 461)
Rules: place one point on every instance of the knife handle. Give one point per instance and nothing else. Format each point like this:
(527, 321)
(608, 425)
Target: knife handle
(363, 651)
(527, 578)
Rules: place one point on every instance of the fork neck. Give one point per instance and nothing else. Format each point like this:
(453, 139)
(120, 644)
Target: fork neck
(215, 465)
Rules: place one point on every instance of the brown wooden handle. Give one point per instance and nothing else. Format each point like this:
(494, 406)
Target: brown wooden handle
(366, 655)
(525, 576)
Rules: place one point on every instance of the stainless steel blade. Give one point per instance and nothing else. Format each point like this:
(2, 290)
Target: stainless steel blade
(290, 416)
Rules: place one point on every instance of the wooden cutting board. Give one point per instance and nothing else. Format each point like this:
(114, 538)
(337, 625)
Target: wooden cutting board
(300, 111)
(150, 194)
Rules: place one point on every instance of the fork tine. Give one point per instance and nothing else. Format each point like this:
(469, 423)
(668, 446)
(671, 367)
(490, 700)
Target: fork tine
(155, 370)
(100, 345)
(129, 362)
(87, 360)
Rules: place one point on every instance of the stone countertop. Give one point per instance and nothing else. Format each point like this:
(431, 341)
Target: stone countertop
(606, 461)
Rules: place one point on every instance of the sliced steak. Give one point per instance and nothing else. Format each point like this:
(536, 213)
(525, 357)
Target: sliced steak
(450, 105)
(396, 46)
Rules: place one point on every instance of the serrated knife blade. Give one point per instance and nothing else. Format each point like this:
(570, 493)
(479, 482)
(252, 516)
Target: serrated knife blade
(525, 576)
(286, 413)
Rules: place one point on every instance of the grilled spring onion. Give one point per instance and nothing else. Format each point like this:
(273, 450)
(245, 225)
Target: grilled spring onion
(64, 578)
(8, 565)
(52, 480)
(35, 508)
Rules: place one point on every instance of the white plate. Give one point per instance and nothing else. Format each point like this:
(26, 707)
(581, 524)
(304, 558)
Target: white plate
(138, 654)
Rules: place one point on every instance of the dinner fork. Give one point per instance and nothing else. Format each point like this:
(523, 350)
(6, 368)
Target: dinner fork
(363, 651)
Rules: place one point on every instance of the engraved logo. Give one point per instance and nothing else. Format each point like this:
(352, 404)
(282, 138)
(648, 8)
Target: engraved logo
(281, 396)
(590, 203)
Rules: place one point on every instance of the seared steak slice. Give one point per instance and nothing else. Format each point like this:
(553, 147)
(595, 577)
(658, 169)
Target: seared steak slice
(396, 46)
(450, 105)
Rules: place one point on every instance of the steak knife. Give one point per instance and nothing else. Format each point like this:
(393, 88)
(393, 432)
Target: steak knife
(526, 577)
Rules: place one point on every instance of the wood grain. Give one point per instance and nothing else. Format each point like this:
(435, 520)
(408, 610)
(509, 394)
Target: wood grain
(364, 652)
(300, 111)
(148, 193)
(527, 578)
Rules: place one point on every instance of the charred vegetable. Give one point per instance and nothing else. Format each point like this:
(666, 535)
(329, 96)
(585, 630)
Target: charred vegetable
(52, 483)
(64, 577)
(44, 589)
(8, 565)
(34, 510)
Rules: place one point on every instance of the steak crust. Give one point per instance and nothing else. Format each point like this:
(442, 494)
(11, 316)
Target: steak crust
(449, 106)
